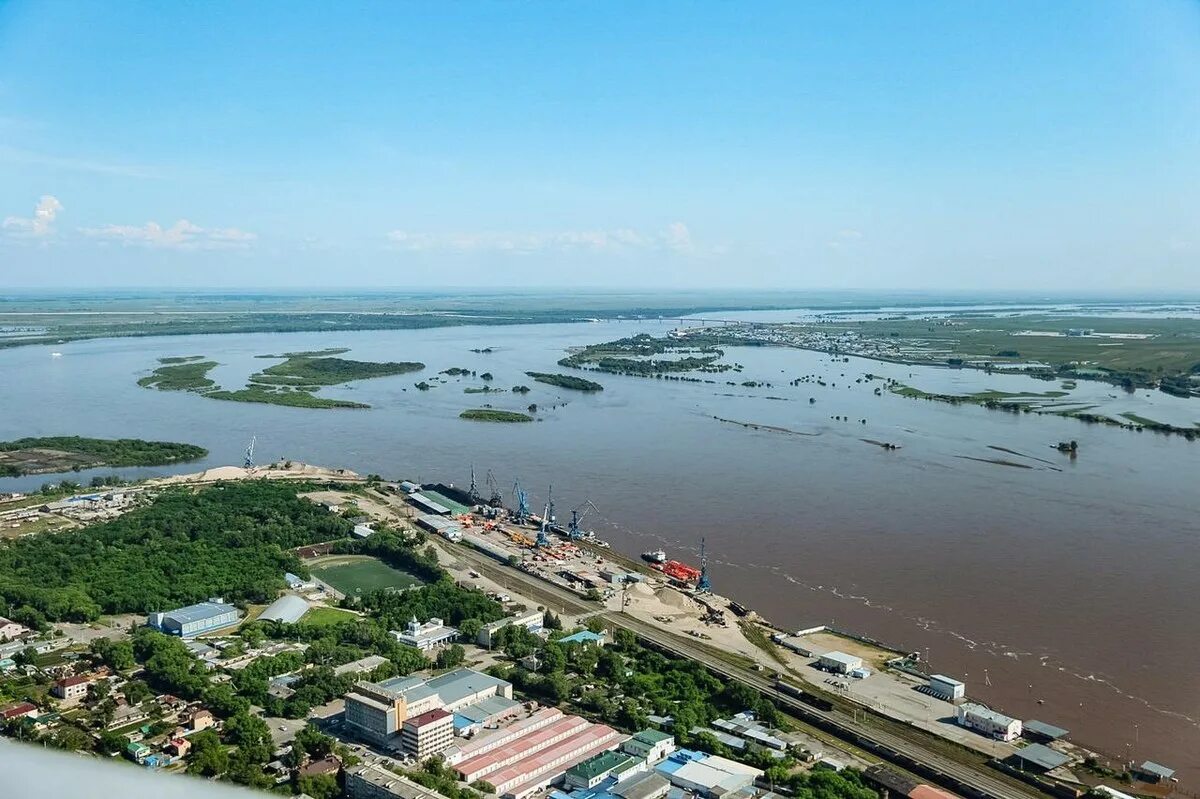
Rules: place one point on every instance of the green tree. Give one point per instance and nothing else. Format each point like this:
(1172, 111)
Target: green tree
(110, 743)
(451, 657)
(319, 786)
(208, 756)
(469, 629)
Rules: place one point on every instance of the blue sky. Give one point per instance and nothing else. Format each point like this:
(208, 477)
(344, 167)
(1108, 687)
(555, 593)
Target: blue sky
(1014, 145)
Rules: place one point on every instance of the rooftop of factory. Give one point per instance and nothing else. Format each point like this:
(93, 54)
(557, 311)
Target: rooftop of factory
(428, 717)
(582, 637)
(942, 678)
(485, 709)
(451, 687)
(199, 611)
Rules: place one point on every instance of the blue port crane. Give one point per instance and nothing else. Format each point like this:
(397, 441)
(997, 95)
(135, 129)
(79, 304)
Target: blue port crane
(522, 502)
(543, 536)
(249, 460)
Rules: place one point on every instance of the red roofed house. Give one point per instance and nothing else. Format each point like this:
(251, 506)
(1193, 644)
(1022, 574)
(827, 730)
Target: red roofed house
(18, 710)
(72, 688)
(179, 746)
(428, 733)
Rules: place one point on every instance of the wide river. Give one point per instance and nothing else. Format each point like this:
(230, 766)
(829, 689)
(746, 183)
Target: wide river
(1065, 592)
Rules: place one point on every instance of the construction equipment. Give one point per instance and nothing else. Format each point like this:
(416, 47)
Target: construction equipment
(576, 517)
(249, 461)
(495, 499)
(518, 537)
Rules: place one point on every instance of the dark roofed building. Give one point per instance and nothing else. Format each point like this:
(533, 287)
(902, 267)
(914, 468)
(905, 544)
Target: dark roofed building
(890, 782)
(1036, 730)
(1039, 757)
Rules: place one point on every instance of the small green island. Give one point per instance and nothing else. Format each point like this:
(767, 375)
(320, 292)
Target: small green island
(566, 381)
(50, 454)
(493, 415)
(289, 383)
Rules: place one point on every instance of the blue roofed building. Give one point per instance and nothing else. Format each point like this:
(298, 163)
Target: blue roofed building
(583, 637)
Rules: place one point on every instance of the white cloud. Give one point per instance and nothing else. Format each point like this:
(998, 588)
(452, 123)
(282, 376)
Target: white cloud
(41, 223)
(183, 235)
(675, 237)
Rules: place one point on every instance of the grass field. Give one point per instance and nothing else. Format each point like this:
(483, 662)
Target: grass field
(325, 616)
(355, 574)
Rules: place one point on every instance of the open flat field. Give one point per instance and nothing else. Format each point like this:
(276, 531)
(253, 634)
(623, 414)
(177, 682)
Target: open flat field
(356, 574)
(325, 616)
(1169, 346)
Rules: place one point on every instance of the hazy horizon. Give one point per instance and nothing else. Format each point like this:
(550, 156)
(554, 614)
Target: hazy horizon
(931, 146)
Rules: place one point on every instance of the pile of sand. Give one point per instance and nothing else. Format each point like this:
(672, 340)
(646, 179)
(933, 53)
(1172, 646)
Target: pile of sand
(673, 599)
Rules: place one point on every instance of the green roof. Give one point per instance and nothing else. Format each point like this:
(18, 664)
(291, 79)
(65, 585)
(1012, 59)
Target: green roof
(599, 764)
(133, 747)
(652, 737)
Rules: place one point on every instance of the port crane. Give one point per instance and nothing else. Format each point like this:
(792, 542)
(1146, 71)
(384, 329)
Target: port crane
(576, 517)
(495, 499)
(473, 491)
(703, 585)
(249, 460)
(522, 496)
(543, 536)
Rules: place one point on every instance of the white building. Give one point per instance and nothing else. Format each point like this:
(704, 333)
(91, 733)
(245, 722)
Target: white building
(363, 530)
(426, 636)
(839, 662)
(530, 620)
(989, 722)
(650, 745)
(947, 688)
(10, 630)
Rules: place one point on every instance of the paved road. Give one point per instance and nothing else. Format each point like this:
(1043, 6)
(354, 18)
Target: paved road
(964, 778)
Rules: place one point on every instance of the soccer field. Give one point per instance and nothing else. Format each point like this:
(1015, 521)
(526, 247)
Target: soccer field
(358, 575)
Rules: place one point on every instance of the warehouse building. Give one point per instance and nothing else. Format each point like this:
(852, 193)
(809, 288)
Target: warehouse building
(195, 619)
(427, 505)
(988, 722)
(531, 620)
(839, 662)
(947, 688)
(706, 775)
(376, 711)
(589, 773)
(289, 608)
(1039, 758)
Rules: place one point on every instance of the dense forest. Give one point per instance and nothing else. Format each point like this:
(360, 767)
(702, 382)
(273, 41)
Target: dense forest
(304, 370)
(76, 452)
(227, 540)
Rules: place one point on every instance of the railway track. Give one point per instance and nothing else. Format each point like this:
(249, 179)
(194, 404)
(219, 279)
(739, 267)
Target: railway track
(963, 778)
(944, 770)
